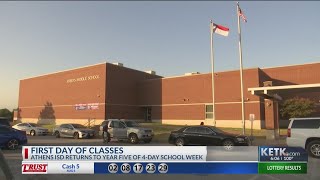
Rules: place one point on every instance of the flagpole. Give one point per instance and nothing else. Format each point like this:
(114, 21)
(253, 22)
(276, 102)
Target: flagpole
(212, 74)
(241, 74)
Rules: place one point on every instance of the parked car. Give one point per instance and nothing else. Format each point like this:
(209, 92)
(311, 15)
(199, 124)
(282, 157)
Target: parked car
(305, 133)
(73, 130)
(127, 130)
(11, 138)
(5, 121)
(31, 129)
(207, 135)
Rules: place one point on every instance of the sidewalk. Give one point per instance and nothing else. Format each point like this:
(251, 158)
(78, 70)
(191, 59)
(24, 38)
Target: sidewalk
(262, 141)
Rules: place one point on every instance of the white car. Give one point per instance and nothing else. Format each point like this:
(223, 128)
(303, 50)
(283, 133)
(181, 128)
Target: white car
(305, 133)
(32, 129)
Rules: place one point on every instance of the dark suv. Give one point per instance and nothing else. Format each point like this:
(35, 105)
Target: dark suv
(5, 121)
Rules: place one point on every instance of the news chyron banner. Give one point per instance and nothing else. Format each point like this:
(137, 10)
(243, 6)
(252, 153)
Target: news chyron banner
(163, 160)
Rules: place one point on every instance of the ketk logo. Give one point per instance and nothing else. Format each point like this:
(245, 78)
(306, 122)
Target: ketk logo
(273, 152)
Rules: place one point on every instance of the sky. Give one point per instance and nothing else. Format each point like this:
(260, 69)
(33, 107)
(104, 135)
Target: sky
(171, 38)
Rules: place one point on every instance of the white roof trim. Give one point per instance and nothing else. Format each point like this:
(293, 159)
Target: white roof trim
(284, 87)
(305, 118)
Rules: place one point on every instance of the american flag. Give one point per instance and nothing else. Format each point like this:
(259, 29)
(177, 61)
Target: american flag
(241, 14)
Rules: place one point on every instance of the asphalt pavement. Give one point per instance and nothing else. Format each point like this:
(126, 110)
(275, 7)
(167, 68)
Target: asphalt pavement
(14, 159)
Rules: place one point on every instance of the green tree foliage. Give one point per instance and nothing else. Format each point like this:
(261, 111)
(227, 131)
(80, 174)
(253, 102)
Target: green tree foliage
(5, 113)
(297, 108)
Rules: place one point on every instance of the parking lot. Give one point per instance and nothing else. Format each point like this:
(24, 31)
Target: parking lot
(14, 159)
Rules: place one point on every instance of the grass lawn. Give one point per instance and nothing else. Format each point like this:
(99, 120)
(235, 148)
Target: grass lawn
(165, 128)
(162, 131)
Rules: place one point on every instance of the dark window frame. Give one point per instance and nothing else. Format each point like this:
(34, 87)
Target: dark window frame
(4, 127)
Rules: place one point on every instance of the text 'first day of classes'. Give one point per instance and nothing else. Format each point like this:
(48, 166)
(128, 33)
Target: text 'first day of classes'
(120, 157)
(76, 150)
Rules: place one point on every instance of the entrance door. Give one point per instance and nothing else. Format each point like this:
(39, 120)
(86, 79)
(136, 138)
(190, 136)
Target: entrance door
(148, 114)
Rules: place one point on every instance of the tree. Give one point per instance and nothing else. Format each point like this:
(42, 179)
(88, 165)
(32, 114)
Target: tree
(297, 108)
(5, 113)
(47, 114)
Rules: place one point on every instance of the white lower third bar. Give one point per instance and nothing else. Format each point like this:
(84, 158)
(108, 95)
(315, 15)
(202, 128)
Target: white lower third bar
(57, 167)
(70, 168)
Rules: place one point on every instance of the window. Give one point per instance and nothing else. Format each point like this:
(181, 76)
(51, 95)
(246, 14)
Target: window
(201, 130)
(34, 125)
(121, 125)
(131, 124)
(65, 126)
(104, 123)
(208, 131)
(117, 124)
(191, 130)
(306, 124)
(4, 122)
(78, 126)
(22, 124)
(4, 130)
(204, 130)
(209, 112)
(216, 130)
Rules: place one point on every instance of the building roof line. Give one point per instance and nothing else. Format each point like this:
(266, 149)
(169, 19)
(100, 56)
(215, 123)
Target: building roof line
(159, 76)
(179, 76)
(105, 62)
(290, 65)
(65, 70)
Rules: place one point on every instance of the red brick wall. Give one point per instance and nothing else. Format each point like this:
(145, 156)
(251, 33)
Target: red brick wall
(122, 92)
(150, 92)
(299, 74)
(63, 90)
(228, 85)
(184, 97)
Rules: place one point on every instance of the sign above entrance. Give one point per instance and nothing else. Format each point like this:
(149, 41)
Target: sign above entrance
(89, 106)
(93, 106)
(81, 106)
(84, 78)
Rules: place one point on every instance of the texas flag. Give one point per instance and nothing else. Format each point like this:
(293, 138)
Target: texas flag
(224, 31)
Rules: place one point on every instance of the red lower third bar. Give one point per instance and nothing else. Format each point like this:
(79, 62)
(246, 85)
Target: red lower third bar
(26, 153)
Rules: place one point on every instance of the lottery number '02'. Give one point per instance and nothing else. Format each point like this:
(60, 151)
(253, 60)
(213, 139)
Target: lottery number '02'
(113, 168)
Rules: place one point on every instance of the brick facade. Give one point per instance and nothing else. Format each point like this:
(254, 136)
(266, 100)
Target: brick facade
(127, 93)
